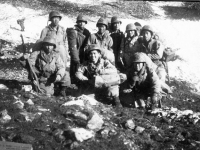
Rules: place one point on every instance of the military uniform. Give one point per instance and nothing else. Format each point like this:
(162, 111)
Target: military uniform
(46, 65)
(154, 50)
(77, 40)
(128, 47)
(144, 83)
(61, 40)
(102, 67)
(104, 41)
(88, 72)
(47, 68)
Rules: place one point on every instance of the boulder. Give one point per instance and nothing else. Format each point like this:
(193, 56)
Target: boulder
(95, 123)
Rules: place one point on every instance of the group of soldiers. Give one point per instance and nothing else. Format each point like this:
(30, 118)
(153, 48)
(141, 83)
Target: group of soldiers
(101, 62)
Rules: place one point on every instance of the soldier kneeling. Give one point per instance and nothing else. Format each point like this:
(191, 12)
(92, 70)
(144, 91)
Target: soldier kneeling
(45, 67)
(143, 83)
(99, 76)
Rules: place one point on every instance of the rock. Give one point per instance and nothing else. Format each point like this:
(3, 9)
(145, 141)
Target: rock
(58, 134)
(27, 88)
(30, 116)
(80, 115)
(19, 104)
(4, 117)
(139, 129)
(3, 87)
(90, 100)
(30, 102)
(77, 102)
(112, 132)
(40, 108)
(95, 123)
(28, 95)
(130, 124)
(27, 138)
(74, 145)
(105, 132)
(82, 134)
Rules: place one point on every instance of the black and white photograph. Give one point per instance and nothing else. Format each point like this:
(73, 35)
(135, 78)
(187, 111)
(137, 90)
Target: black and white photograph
(99, 75)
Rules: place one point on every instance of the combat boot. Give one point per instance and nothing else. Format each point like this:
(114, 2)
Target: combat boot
(117, 102)
(63, 91)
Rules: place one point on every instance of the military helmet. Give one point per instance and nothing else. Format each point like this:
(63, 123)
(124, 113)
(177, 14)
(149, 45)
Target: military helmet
(139, 58)
(102, 21)
(137, 24)
(115, 19)
(49, 40)
(130, 26)
(148, 28)
(54, 14)
(81, 18)
(93, 47)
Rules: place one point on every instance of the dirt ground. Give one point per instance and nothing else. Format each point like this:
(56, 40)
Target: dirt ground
(174, 127)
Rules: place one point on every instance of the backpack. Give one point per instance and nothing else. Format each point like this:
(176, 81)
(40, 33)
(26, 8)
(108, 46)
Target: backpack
(168, 54)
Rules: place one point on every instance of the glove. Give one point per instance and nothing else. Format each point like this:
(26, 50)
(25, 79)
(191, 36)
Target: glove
(58, 78)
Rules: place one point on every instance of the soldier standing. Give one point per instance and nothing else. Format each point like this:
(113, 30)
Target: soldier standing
(103, 39)
(117, 36)
(58, 32)
(77, 40)
(129, 44)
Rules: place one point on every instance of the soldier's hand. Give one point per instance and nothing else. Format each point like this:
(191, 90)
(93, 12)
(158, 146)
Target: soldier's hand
(58, 78)
(34, 82)
(84, 78)
(127, 90)
(123, 77)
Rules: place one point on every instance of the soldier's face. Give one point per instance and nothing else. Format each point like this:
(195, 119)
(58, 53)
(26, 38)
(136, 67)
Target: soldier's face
(101, 28)
(137, 66)
(81, 24)
(146, 35)
(48, 48)
(55, 21)
(116, 26)
(130, 33)
(94, 56)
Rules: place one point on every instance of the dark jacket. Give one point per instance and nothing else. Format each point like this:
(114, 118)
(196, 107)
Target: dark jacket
(77, 40)
(117, 37)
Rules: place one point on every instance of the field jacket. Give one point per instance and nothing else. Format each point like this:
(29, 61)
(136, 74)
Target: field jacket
(90, 70)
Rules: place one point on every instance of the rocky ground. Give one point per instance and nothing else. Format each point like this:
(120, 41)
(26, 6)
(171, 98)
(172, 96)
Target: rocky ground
(81, 122)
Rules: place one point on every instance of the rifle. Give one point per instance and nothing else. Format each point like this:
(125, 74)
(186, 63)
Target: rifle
(31, 70)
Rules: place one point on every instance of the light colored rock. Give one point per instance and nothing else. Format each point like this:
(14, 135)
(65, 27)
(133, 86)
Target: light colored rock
(29, 116)
(91, 100)
(19, 104)
(130, 124)
(77, 102)
(30, 102)
(4, 117)
(3, 87)
(95, 123)
(27, 88)
(82, 134)
(139, 129)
